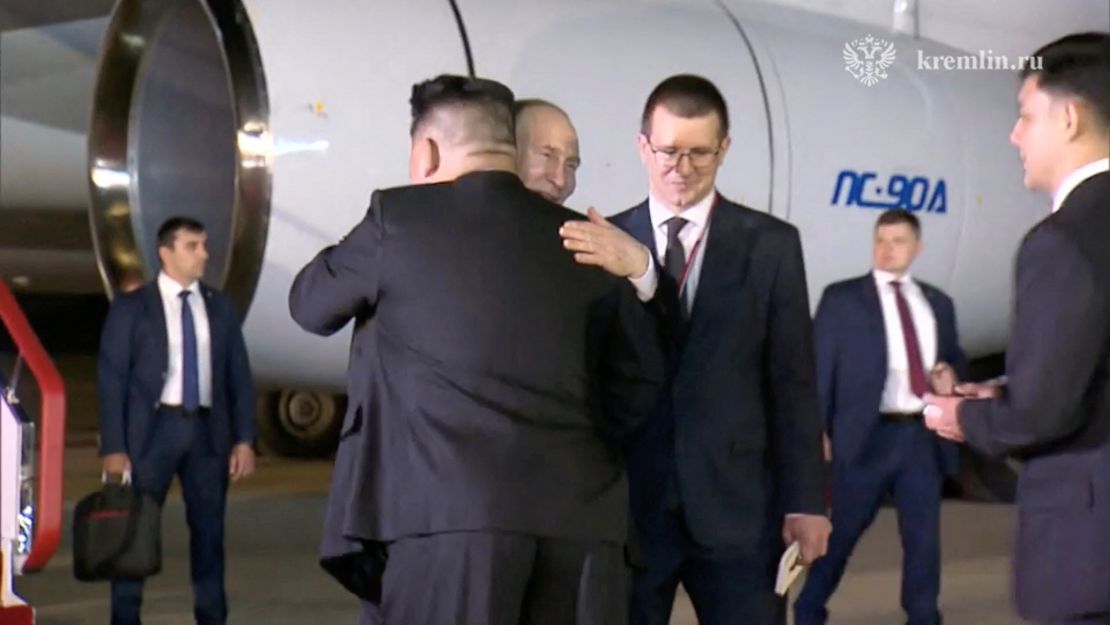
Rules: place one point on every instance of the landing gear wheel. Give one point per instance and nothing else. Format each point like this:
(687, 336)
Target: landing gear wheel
(300, 423)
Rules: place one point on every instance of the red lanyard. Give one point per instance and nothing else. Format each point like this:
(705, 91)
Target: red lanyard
(697, 245)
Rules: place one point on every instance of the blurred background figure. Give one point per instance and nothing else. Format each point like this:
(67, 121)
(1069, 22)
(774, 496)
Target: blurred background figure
(876, 337)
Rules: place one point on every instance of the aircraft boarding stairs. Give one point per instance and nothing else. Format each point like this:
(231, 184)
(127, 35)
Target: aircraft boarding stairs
(30, 460)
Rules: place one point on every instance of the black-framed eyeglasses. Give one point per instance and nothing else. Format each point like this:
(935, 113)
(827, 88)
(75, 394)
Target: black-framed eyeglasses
(671, 156)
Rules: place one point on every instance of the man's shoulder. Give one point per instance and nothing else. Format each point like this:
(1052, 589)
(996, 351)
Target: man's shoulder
(409, 200)
(129, 298)
(1081, 215)
(1082, 222)
(933, 292)
(409, 193)
(841, 289)
(133, 300)
(757, 220)
(214, 295)
(491, 187)
(625, 216)
(849, 284)
(1057, 233)
(539, 206)
(1087, 201)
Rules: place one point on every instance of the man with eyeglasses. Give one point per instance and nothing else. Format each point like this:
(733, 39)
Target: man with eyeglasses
(546, 149)
(730, 465)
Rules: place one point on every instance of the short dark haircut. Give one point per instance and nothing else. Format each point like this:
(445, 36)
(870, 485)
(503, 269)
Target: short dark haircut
(899, 216)
(491, 100)
(1077, 65)
(167, 232)
(686, 95)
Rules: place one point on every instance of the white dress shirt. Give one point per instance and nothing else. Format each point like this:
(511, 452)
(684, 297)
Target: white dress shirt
(1075, 178)
(171, 304)
(897, 395)
(697, 216)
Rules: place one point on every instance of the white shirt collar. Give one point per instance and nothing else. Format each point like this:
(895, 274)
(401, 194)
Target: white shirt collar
(884, 278)
(1075, 178)
(171, 288)
(697, 214)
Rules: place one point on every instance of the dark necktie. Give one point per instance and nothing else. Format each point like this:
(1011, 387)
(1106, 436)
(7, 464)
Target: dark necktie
(674, 259)
(190, 387)
(674, 264)
(918, 384)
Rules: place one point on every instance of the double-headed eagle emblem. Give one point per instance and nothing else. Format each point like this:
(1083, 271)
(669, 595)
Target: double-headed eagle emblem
(867, 59)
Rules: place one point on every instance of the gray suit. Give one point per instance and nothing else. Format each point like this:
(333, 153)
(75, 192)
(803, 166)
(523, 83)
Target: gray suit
(1055, 412)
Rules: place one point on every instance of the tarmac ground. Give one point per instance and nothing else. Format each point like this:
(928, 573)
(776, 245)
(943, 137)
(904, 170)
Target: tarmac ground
(274, 521)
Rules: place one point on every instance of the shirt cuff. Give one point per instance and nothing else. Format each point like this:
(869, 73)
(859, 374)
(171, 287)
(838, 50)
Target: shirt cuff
(646, 283)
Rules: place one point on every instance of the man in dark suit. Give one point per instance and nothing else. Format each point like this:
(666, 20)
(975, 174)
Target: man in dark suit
(883, 340)
(730, 463)
(1054, 411)
(176, 398)
(497, 378)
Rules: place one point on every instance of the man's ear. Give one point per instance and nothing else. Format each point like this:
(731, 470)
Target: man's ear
(1080, 118)
(1071, 117)
(726, 143)
(433, 163)
(644, 147)
(425, 160)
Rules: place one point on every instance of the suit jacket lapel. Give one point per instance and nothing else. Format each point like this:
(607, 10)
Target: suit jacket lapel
(728, 248)
(869, 292)
(215, 321)
(156, 313)
(639, 226)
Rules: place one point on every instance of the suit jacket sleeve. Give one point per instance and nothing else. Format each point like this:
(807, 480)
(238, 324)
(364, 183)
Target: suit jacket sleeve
(953, 354)
(341, 283)
(794, 416)
(1059, 316)
(824, 343)
(240, 384)
(631, 368)
(113, 375)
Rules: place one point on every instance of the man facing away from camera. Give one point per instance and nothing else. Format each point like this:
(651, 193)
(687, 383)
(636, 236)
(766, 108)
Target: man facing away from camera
(491, 381)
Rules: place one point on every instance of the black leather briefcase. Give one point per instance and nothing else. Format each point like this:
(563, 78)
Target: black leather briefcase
(117, 535)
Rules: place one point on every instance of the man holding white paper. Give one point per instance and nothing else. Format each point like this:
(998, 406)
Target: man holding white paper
(1054, 412)
(727, 471)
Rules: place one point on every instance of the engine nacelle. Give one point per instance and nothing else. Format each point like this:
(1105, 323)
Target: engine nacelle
(273, 123)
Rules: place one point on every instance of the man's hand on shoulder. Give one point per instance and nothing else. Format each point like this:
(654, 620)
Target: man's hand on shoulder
(598, 242)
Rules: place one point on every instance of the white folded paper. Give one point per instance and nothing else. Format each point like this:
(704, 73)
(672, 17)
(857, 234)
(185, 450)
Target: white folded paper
(790, 567)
